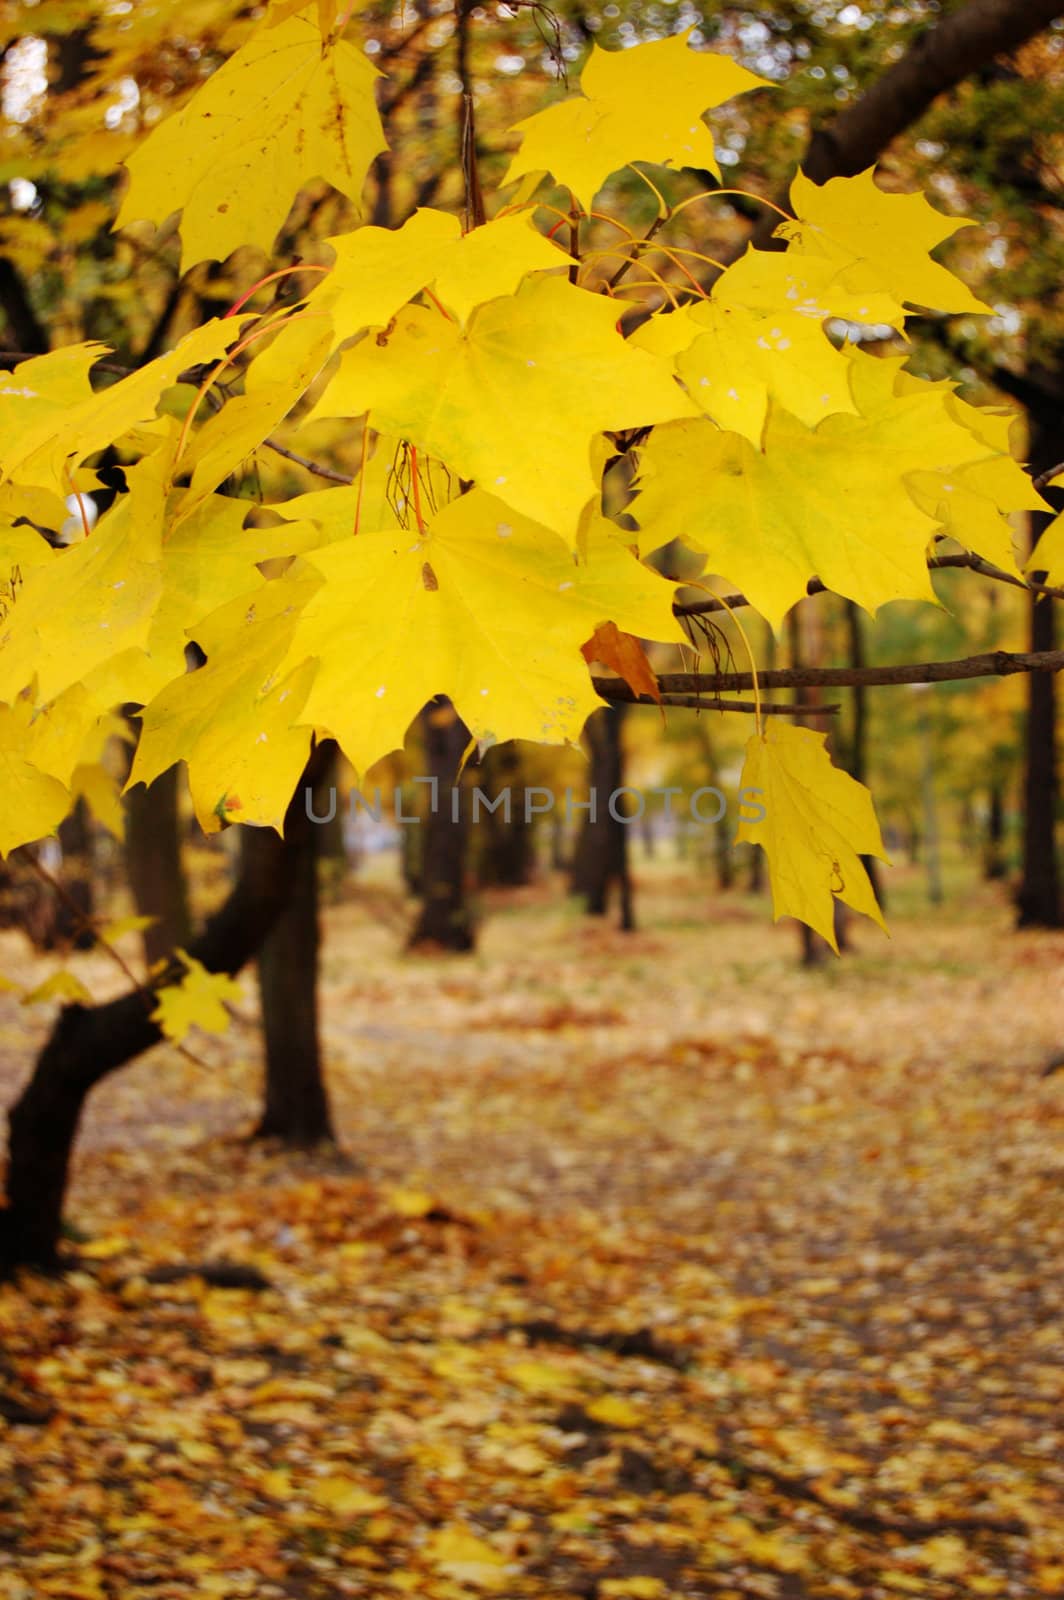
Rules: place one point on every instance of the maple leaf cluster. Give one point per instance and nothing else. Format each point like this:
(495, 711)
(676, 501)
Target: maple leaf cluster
(484, 366)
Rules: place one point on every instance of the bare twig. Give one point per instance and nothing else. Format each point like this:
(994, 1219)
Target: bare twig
(1044, 479)
(318, 468)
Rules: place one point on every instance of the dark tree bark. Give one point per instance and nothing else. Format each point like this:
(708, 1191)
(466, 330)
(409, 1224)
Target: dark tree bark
(942, 57)
(505, 849)
(946, 53)
(153, 865)
(858, 762)
(296, 1105)
(24, 328)
(723, 859)
(994, 864)
(90, 1042)
(814, 948)
(1038, 901)
(600, 859)
(64, 921)
(445, 921)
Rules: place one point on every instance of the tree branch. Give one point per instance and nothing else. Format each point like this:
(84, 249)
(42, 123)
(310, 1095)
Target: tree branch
(937, 61)
(942, 57)
(617, 691)
(996, 664)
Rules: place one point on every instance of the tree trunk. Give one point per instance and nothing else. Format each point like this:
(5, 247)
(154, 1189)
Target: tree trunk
(153, 865)
(601, 856)
(932, 854)
(65, 922)
(804, 636)
(1038, 901)
(858, 763)
(994, 863)
(445, 921)
(296, 1106)
(90, 1042)
(505, 847)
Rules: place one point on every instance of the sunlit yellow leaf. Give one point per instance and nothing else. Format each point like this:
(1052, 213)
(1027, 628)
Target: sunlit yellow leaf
(32, 803)
(642, 104)
(378, 270)
(516, 400)
(818, 822)
(60, 986)
(280, 112)
(197, 1001)
(615, 1411)
(852, 221)
(232, 720)
(467, 1558)
(499, 611)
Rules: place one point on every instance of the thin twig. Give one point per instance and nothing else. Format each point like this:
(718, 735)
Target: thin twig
(318, 469)
(1045, 478)
(82, 919)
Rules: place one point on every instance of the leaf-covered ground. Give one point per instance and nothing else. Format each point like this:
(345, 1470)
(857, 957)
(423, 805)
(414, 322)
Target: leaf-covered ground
(662, 1269)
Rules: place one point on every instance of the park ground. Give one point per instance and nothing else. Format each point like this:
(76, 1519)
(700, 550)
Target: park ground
(655, 1267)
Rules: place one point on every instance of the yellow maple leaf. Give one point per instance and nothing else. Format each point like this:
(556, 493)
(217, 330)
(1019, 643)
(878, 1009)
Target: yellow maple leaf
(378, 270)
(829, 502)
(854, 223)
(957, 457)
(112, 931)
(541, 1377)
(497, 611)
(95, 599)
(51, 419)
(33, 802)
(197, 1001)
(60, 986)
(1048, 554)
(276, 381)
(642, 104)
(280, 112)
(636, 1588)
(818, 822)
(411, 1202)
(813, 286)
(615, 1411)
(737, 359)
(466, 1558)
(100, 790)
(515, 400)
(232, 720)
(344, 1496)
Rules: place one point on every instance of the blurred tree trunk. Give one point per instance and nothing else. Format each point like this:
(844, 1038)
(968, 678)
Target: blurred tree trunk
(600, 859)
(153, 865)
(994, 863)
(858, 762)
(445, 921)
(88, 1043)
(1038, 900)
(505, 852)
(296, 1103)
(804, 635)
(723, 859)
